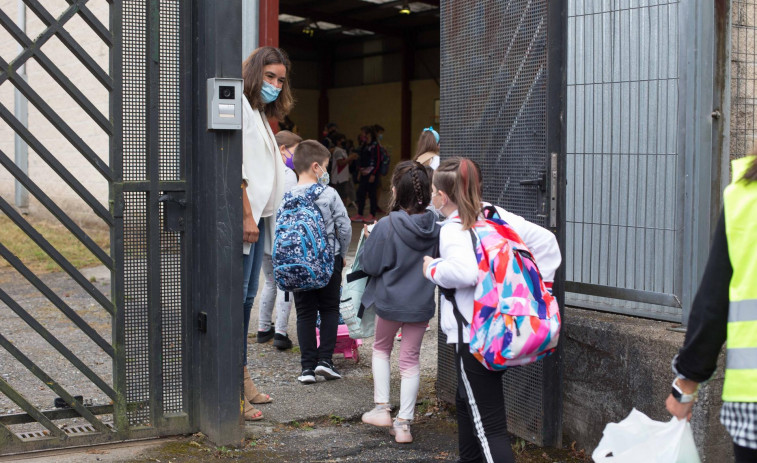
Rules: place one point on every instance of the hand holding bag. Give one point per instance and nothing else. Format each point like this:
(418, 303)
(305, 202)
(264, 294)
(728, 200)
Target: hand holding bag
(638, 438)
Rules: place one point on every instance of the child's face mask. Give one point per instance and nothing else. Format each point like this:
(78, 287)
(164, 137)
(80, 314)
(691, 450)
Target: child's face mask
(288, 159)
(323, 179)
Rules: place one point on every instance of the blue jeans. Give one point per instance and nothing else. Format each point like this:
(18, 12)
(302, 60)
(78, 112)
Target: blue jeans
(251, 264)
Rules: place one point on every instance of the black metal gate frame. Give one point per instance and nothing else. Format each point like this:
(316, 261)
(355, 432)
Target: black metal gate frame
(526, 102)
(55, 437)
(158, 422)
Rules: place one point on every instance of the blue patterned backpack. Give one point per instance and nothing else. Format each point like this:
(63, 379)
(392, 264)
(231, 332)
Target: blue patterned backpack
(302, 257)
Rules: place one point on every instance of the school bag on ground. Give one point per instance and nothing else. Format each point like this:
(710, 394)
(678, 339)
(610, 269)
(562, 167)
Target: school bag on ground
(302, 257)
(516, 321)
(360, 320)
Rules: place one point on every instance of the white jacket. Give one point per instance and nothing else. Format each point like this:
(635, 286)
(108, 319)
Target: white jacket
(262, 169)
(457, 266)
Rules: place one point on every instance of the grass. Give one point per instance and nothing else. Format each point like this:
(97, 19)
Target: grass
(58, 236)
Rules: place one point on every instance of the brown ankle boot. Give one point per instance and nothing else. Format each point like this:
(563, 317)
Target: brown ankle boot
(251, 393)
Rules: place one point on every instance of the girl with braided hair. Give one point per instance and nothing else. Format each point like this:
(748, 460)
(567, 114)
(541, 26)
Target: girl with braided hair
(403, 299)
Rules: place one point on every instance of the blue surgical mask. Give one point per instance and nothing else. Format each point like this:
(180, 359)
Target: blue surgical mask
(269, 93)
(323, 179)
(381, 136)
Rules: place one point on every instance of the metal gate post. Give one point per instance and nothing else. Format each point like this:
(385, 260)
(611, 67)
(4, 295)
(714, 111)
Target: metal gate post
(216, 264)
(557, 93)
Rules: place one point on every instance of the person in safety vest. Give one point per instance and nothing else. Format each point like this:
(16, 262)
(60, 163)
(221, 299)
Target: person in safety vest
(725, 310)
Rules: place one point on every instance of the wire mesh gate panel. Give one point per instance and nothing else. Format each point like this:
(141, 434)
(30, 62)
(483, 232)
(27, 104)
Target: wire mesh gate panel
(150, 198)
(500, 105)
(125, 354)
(743, 130)
(624, 233)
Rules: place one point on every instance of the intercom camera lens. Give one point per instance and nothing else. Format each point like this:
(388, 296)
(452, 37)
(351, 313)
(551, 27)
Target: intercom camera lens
(226, 92)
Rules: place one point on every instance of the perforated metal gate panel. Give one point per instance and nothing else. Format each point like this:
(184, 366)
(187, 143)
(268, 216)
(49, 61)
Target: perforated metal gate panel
(154, 303)
(494, 100)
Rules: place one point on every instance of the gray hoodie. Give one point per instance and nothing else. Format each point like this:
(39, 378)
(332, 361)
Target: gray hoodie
(393, 256)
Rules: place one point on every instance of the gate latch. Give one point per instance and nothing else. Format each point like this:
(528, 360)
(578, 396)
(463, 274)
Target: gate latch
(540, 182)
(174, 206)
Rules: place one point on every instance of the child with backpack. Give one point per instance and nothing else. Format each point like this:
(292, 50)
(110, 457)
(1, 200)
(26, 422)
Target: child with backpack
(466, 312)
(402, 298)
(312, 235)
(271, 296)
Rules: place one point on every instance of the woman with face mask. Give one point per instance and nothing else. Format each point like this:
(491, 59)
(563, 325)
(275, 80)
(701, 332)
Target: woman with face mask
(267, 95)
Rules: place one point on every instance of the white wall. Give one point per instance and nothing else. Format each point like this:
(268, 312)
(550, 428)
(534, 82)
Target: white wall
(64, 106)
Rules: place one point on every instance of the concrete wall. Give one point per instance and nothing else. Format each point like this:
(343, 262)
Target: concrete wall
(64, 106)
(614, 363)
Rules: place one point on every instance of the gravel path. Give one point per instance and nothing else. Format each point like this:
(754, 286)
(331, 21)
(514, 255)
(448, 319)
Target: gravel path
(53, 320)
(274, 371)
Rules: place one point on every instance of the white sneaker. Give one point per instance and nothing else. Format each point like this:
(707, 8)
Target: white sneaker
(401, 431)
(307, 377)
(378, 416)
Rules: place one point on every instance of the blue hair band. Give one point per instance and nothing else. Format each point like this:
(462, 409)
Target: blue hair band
(434, 132)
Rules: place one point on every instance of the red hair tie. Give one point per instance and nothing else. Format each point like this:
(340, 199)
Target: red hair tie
(464, 173)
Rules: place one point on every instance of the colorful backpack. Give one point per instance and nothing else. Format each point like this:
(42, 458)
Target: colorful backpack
(302, 257)
(516, 321)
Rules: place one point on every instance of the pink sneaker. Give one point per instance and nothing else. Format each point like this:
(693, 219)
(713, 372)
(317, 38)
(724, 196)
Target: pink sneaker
(401, 431)
(369, 218)
(378, 416)
(357, 218)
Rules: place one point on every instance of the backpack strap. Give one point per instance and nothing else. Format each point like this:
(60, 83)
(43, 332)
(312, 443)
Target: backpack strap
(490, 212)
(449, 294)
(315, 191)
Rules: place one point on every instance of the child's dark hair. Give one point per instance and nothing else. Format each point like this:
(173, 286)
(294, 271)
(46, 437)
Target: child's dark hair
(459, 178)
(412, 188)
(308, 152)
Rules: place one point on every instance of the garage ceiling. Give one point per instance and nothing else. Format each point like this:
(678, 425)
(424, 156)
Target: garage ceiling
(354, 20)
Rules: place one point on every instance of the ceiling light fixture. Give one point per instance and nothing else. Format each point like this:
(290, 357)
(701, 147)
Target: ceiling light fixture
(309, 29)
(405, 8)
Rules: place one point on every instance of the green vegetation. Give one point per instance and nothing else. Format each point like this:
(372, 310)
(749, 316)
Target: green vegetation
(58, 236)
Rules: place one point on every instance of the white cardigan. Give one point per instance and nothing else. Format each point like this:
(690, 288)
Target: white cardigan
(457, 267)
(262, 169)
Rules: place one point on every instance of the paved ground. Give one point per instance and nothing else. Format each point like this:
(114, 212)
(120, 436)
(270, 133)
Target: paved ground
(314, 423)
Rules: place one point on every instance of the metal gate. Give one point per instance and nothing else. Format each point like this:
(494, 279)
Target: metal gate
(149, 53)
(647, 122)
(502, 87)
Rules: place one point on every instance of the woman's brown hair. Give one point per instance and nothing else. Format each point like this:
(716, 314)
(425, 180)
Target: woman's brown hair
(252, 73)
(412, 188)
(751, 172)
(459, 179)
(426, 144)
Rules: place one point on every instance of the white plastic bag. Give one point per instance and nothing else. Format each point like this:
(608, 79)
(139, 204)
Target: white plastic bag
(638, 438)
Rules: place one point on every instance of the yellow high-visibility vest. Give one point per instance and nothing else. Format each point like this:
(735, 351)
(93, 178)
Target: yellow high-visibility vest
(740, 206)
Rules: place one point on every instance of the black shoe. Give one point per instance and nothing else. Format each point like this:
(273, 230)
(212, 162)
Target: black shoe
(265, 336)
(307, 377)
(326, 369)
(282, 341)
